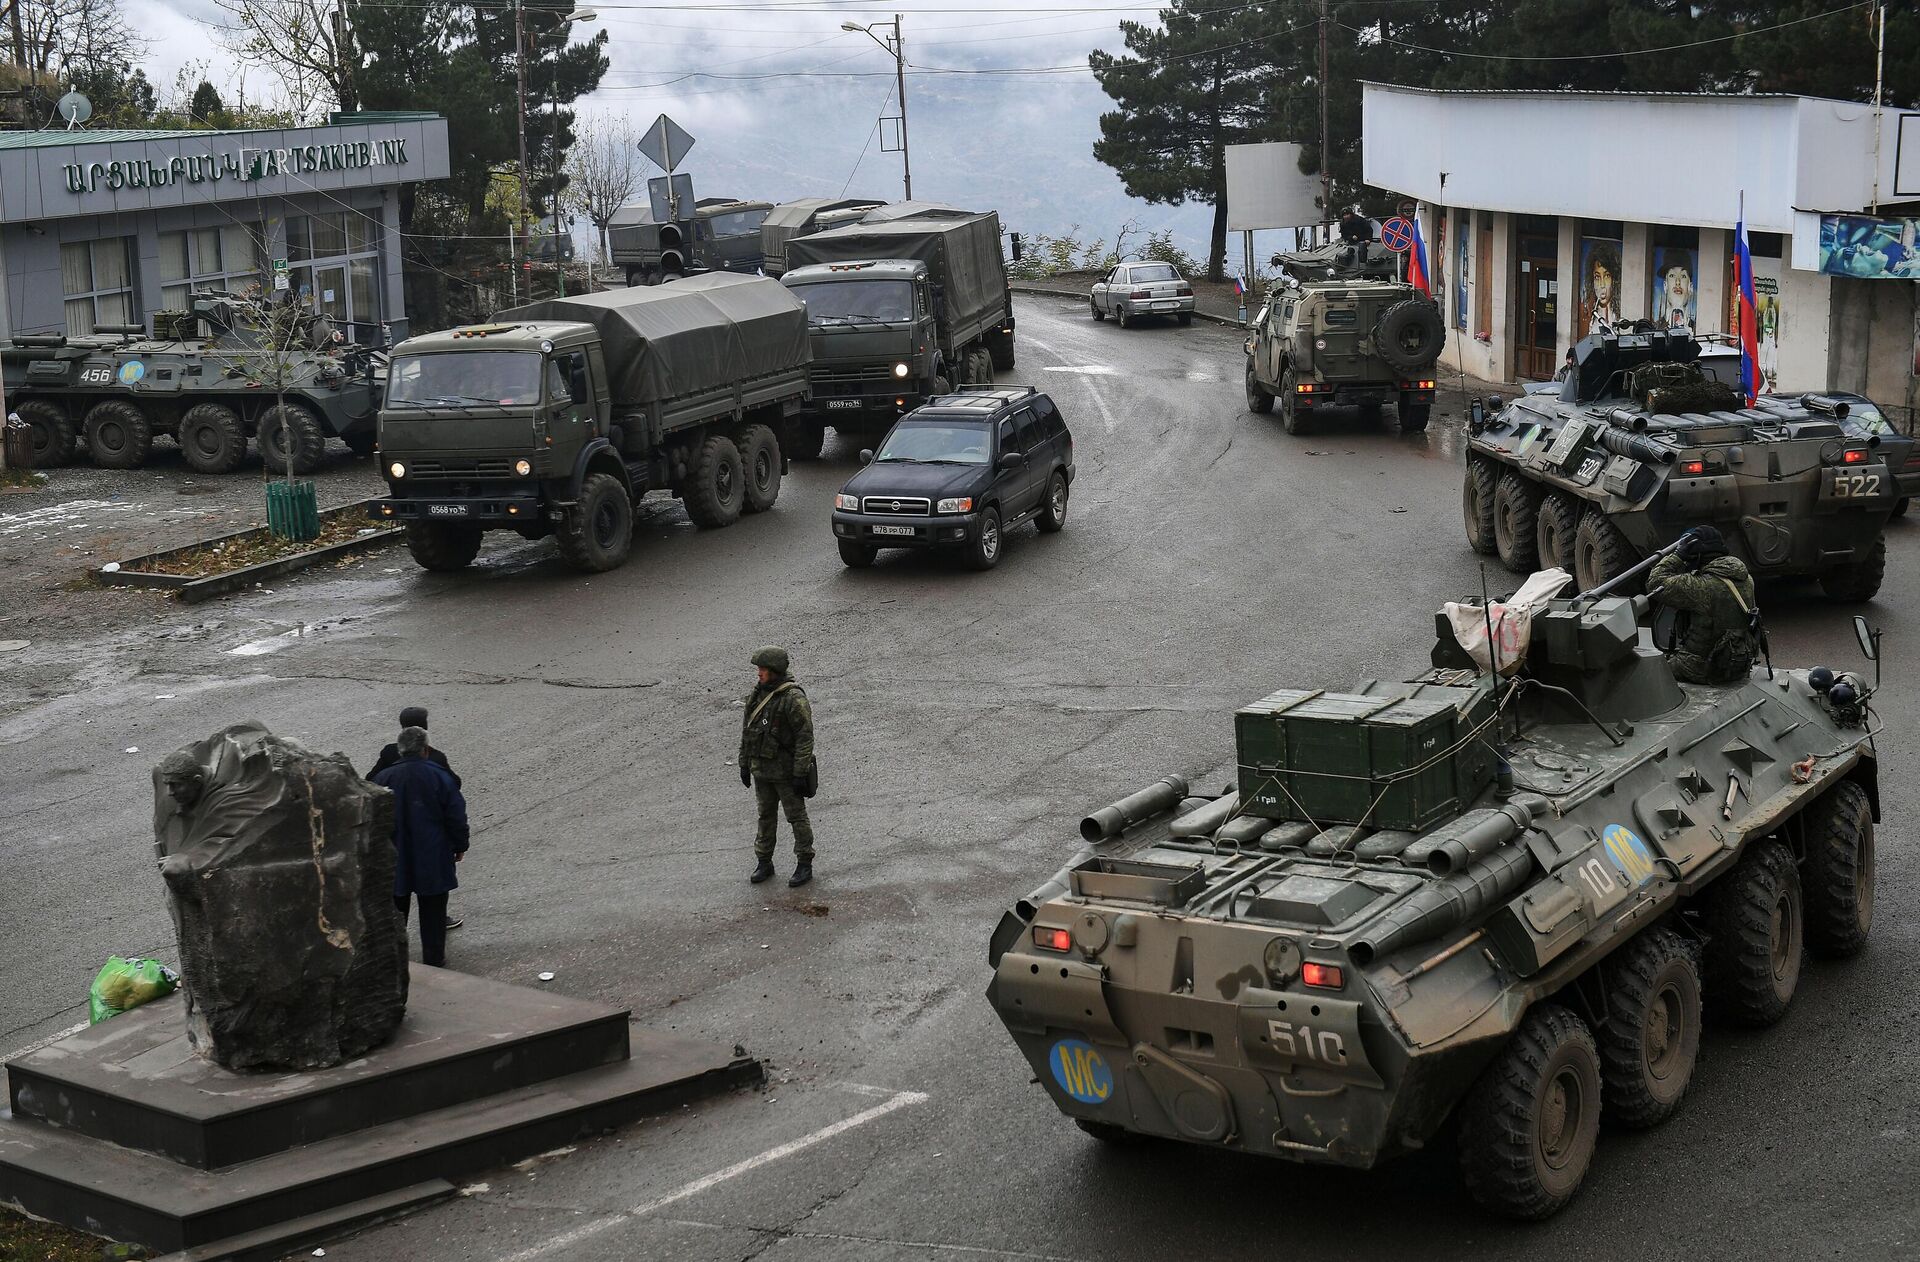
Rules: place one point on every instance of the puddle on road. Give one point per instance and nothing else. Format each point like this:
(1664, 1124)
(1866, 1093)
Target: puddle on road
(274, 643)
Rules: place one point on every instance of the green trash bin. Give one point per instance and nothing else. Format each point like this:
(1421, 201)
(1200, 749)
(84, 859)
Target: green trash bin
(293, 511)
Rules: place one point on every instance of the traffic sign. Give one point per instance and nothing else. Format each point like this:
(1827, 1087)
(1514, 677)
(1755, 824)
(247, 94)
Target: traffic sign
(1397, 234)
(665, 143)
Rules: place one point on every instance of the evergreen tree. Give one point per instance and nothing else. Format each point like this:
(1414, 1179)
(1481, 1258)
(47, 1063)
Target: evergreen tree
(207, 108)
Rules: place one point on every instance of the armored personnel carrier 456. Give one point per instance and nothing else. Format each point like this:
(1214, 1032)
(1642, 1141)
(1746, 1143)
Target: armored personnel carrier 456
(1501, 898)
(1645, 437)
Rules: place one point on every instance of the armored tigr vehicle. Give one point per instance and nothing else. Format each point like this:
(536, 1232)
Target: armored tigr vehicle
(1495, 899)
(901, 311)
(803, 217)
(1338, 330)
(1645, 437)
(556, 417)
(720, 235)
(207, 377)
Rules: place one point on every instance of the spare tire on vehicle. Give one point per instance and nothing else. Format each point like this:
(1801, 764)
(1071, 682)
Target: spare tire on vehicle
(1409, 334)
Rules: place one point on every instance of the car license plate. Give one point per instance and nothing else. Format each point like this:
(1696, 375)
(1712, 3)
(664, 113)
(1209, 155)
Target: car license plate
(446, 510)
(894, 530)
(843, 404)
(1165, 306)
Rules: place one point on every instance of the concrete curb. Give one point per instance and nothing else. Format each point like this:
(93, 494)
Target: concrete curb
(193, 590)
(1041, 291)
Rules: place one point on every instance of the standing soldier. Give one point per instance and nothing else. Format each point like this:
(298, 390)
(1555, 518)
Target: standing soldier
(776, 762)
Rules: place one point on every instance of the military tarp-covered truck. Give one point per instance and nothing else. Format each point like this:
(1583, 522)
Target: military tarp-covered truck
(719, 235)
(802, 218)
(556, 417)
(900, 311)
(207, 379)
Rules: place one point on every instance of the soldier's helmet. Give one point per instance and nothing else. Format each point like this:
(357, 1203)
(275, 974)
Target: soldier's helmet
(773, 657)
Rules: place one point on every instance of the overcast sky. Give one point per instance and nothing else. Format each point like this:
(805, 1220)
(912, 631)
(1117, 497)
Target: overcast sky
(1017, 143)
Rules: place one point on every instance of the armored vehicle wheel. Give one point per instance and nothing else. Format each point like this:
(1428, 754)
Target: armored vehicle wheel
(1098, 314)
(1053, 513)
(1651, 1039)
(1857, 580)
(119, 435)
(1528, 1125)
(1515, 502)
(598, 531)
(1476, 503)
(1838, 874)
(760, 456)
(53, 434)
(1409, 335)
(442, 545)
(1756, 919)
(362, 444)
(716, 484)
(984, 552)
(1553, 530)
(857, 556)
(1413, 417)
(291, 435)
(1258, 400)
(1601, 553)
(1000, 350)
(1291, 418)
(803, 439)
(212, 438)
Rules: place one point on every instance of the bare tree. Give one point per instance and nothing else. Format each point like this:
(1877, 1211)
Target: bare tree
(304, 44)
(604, 164)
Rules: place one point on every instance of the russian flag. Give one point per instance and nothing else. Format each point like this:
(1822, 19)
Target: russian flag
(1417, 261)
(1239, 286)
(1749, 314)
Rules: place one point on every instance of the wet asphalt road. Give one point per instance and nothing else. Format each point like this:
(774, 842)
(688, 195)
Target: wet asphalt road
(966, 721)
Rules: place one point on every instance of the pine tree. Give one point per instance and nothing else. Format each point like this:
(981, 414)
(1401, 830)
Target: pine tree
(206, 108)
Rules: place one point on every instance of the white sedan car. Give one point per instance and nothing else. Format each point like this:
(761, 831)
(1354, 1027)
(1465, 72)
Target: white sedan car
(1132, 290)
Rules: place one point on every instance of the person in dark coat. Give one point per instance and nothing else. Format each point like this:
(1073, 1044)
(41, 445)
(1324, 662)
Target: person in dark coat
(416, 716)
(429, 838)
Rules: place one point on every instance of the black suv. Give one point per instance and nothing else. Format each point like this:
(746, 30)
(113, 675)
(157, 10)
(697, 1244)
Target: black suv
(958, 473)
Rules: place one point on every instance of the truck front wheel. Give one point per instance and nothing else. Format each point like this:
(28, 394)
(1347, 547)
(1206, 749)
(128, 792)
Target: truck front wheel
(716, 487)
(440, 545)
(1000, 348)
(598, 532)
(760, 460)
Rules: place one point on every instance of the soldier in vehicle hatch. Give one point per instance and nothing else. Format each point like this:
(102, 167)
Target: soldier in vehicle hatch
(1712, 588)
(776, 762)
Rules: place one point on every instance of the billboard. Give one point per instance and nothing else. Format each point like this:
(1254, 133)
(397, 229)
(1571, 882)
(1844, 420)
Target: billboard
(1266, 189)
(1869, 248)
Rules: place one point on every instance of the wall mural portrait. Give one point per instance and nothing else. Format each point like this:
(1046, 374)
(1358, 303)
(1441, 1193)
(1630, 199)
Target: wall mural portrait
(1599, 309)
(1676, 290)
(1869, 249)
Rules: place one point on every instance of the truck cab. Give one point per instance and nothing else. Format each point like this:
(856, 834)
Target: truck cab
(876, 355)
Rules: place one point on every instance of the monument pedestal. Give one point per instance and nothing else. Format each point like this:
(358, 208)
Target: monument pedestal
(122, 1131)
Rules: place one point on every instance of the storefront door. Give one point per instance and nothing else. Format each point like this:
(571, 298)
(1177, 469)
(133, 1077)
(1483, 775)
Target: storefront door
(1535, 355)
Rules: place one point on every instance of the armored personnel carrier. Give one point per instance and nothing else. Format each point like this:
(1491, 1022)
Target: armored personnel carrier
(1340, 330)
(1645, 437)
(1491, 898)
(204, 379)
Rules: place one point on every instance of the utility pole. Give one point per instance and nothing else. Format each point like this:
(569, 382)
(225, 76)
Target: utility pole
(897, 47)
(1326, 167)
(1879, 86)
(520, 71)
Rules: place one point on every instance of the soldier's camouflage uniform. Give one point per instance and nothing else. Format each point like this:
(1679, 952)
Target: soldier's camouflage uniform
(1717, 645)
(776, 746)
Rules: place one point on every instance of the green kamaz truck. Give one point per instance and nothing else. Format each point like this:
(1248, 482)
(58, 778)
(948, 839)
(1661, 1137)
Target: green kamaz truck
(556, 417)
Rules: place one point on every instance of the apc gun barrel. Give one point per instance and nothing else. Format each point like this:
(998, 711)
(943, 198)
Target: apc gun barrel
(1636, 446)
(1633, 571)
(1110, 821)
(1447, 903)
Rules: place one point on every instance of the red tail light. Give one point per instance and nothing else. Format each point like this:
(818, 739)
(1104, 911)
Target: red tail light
(1693, 468)
(1855, 456)
(1052, 939)
(1140, 293)
(1184, 291)
(1325, 976)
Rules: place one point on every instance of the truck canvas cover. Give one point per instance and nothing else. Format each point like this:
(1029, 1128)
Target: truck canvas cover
(700, 333)
(962, 256)
(796, 219)
(914, 210)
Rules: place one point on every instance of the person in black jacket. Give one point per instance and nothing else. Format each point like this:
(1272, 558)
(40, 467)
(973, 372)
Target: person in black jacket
(416, 716)
(430, 838)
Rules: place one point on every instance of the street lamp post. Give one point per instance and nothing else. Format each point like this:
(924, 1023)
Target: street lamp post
(898, 48)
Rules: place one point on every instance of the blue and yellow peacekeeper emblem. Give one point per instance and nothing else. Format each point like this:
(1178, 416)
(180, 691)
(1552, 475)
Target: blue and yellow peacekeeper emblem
(1081, 1072)
(132, 371)
(1629, 853)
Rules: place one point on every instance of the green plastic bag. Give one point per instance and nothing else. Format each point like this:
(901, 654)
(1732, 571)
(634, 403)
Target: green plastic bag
(125, 984)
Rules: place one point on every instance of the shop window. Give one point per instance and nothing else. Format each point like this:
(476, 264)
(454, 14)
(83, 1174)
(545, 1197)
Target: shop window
(224, 258)
(96, 278)
(336, 267)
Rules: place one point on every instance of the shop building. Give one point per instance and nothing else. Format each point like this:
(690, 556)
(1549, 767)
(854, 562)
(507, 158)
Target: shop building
(1545, 212)
(104, 228)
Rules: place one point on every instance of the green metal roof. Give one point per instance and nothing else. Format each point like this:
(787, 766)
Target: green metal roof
(52, 139)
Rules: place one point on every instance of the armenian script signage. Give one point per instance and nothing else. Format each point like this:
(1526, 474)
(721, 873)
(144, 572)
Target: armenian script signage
(241, 164)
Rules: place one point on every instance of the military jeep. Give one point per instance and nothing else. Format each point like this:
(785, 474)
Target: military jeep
(1338, 330)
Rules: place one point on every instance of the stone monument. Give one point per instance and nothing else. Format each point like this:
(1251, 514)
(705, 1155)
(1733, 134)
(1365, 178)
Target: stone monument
(278, 864)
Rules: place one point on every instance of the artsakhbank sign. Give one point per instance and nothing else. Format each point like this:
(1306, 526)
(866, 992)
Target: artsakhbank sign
(234, 164)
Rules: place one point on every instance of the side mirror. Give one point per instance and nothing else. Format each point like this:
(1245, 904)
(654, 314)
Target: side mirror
(1868, 637)
(1011, 460)
(866, 455)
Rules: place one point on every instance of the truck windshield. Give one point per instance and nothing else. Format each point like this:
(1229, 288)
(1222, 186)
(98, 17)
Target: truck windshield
(497, 378)
(924, 443)
(739, 223)
(839, 301)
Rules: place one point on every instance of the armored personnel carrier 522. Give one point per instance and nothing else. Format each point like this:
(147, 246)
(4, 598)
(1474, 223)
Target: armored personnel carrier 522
(1645, 437)
(1493, 897)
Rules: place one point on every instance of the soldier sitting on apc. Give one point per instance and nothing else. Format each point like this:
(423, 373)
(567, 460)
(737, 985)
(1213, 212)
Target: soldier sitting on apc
(1702, 580)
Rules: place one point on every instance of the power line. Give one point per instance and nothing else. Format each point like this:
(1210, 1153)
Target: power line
(877, 118)
(1628, 52)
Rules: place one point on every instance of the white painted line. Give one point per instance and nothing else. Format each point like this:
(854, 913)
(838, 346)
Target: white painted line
(1084, 370)
(898, 1100)
(48, 1041)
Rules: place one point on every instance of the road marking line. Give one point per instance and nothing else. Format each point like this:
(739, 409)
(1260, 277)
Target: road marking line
(1084, 370)
(898, 1100)
(934, 1246)
(48, 1041)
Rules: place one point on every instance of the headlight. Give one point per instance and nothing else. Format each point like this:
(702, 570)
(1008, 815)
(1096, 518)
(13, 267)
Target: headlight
(850, 503)
(396, 471)
(963, 505)
(901, 370)
(523, 467)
